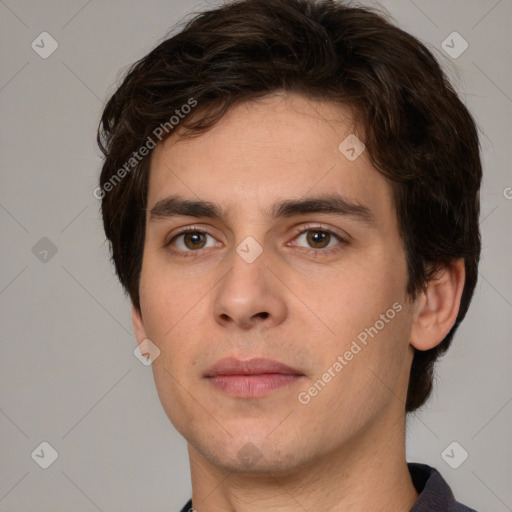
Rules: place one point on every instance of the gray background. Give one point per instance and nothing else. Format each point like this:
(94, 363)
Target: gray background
(68, 374)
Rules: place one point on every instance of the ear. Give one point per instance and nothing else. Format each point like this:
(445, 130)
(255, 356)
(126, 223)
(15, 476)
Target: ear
(438, 306)
(138, 325)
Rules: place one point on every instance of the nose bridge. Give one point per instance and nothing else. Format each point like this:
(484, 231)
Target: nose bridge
(249, 291)
(247, 276)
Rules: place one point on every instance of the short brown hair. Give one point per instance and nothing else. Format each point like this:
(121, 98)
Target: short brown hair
(417, 131)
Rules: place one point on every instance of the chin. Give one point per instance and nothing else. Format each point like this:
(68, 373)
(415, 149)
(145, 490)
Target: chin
(252, 461)
(254, 455)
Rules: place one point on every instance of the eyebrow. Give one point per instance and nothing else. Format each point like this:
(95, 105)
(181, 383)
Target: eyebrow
(174, 206)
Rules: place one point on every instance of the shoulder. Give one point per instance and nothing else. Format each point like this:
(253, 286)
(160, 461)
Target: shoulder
(434, 492)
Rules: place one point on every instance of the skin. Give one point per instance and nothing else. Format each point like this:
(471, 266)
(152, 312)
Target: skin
(345, 448)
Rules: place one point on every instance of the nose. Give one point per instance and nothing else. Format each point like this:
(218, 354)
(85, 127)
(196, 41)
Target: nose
(249, 295)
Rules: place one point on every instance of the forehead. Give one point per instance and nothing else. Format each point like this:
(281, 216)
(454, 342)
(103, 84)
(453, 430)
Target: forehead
(283, 146)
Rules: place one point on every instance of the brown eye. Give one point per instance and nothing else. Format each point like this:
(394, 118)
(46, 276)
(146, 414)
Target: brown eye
(193, 240)
(317, 239)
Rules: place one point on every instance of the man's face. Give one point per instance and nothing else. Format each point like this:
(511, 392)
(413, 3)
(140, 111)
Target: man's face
(251, 285)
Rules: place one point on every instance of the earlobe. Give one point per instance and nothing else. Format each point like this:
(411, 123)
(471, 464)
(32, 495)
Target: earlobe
(138, 325)
(438, 306)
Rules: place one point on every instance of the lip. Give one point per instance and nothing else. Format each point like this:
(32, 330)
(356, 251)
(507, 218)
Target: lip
(255, 366)
(251, 378)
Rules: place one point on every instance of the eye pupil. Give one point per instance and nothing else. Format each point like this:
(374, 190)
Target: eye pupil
(194, 237)
(314, 240)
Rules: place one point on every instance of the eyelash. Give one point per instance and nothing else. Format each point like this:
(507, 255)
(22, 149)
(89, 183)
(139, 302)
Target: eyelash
(315, 252)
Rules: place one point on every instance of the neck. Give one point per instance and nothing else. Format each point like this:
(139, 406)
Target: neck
(368, 473)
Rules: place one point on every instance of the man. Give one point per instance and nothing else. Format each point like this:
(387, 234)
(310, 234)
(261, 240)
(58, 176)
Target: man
(291, 194)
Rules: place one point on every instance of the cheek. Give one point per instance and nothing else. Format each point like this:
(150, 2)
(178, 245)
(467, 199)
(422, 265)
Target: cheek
(164, 307)
(163, 297)
(351, 298)
(369, 375)
(364, 307)
(170, 305)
